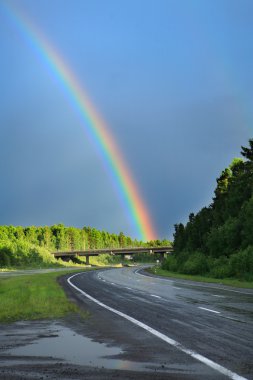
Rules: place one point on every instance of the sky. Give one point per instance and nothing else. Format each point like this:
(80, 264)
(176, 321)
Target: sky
(172, 79)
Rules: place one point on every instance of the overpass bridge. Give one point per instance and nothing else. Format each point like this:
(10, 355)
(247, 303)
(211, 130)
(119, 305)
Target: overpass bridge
(67, 255)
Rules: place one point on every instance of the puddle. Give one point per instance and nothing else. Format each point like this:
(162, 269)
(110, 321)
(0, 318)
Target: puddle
(63, 343)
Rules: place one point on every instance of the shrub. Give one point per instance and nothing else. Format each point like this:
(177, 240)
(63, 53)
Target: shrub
(220, 268)
(23, 253)
(105, 259)
(196, 264)
(5, 260)
(170, 263)
(182, 257)
(241, 264)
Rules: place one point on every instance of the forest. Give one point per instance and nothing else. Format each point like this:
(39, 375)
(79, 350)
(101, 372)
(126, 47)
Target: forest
(218, 240)
(25, 246)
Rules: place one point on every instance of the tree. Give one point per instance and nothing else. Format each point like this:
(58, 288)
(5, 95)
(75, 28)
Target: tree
(122, 240)
(179, 237)
(248, 152)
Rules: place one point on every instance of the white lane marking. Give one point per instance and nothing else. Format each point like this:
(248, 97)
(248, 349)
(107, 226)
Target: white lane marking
(154, 295)
(217, 295)
(189, 284)
(112, 283)
(103, 280)
(143, 275)
(128, 288)
(213, 311)
(176, 287)
(172, 342)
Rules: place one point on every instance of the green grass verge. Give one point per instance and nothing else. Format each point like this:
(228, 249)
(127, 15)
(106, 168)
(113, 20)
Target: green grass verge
(57, 265)
(7, 269)
(31, 297)
(224, 281)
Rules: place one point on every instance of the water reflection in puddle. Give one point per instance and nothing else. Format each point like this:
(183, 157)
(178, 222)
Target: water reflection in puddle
(63, 343)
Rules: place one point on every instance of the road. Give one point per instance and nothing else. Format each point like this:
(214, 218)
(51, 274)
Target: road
(199, 330)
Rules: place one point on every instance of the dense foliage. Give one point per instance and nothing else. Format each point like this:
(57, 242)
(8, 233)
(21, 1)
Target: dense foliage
(218, 240)
(32, 245)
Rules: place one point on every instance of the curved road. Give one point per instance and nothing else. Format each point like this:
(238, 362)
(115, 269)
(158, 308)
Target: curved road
(199, 330)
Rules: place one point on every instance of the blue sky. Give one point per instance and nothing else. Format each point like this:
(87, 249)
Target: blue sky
(173, 80)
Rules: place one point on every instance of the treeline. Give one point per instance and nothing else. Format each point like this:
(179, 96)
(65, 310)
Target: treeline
(59, 237)
(218, 240)
(27, 245)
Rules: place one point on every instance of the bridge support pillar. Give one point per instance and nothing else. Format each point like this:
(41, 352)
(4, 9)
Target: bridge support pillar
(87, 260)
(162, 255)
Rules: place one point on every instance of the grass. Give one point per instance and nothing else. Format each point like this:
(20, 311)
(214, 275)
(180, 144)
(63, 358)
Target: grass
(224, 281)
(31, 297)
(7, 269)
(55, 265)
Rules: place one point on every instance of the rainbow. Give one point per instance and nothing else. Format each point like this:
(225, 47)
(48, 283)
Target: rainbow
(95, 127)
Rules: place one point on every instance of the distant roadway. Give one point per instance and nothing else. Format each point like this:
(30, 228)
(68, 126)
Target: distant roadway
(203, 330)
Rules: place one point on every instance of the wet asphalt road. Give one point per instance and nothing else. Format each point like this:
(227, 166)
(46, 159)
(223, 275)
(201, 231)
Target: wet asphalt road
(211, 320)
